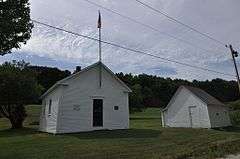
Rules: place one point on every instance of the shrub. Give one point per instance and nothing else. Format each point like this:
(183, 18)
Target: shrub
(235, 117)
(235, 105)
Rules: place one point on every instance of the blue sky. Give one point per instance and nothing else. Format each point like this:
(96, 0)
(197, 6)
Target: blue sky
(57, 49)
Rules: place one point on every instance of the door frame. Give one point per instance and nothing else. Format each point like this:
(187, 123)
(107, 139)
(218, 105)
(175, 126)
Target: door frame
(93, 112)
(190, 115)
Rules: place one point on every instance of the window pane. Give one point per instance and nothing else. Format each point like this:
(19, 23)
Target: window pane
(116, 107)
(50, 106)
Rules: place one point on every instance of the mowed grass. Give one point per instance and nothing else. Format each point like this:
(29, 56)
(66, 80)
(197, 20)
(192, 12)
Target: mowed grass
(145, 139)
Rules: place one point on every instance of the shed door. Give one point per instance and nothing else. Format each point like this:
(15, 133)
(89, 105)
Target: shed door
(97, 112)
(194, 116)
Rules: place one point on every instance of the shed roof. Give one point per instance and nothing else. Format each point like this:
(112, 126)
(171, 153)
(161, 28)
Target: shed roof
(204, 96)
(199, 93)
(63, 81)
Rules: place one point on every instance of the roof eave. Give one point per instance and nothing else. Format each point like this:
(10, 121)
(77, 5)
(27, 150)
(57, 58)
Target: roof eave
(120, 81)
(83, 70)
(52, 89)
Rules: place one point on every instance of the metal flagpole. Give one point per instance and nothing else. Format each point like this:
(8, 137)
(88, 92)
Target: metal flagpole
(100, 48)
(100, 38)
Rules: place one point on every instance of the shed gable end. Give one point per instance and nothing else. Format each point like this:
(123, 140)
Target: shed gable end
(178, 112)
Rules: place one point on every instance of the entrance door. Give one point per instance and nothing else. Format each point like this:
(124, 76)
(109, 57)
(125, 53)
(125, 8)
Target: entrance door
(97, 112)
(194, 116)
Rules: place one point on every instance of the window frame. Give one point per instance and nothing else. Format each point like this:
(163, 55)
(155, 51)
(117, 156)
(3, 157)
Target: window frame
(50, 107)
(116, 108)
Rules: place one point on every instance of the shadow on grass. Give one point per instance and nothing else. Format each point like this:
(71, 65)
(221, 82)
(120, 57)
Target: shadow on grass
(229, 129)
(17, 132)
(34, 123)
(114, 134)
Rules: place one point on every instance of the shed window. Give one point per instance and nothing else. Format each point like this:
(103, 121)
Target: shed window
(76, 107)
(116, 107)
(50, 107)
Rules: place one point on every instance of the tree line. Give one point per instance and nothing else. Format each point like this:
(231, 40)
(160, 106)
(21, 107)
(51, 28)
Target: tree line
(155, 91)
(148, 90)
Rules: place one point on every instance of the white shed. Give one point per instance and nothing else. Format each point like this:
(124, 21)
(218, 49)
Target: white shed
(92, 99)
(195, 108)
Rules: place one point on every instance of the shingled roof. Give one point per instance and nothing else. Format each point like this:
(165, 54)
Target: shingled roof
(204, 96)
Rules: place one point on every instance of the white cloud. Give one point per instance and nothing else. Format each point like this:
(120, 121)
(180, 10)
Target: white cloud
(217, 17)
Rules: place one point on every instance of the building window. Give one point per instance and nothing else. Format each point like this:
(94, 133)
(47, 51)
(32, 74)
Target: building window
(76, 107)
(116, 107)
(50, 107)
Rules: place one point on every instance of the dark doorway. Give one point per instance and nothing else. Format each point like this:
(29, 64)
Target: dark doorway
(97, 112)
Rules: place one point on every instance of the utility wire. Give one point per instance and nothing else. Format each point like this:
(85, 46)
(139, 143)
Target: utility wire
(132, 50)
(181, 23)
(147, 26)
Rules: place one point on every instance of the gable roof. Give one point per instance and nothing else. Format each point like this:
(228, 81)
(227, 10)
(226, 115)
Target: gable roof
(63, 81)
(204, 96)
(199, 93)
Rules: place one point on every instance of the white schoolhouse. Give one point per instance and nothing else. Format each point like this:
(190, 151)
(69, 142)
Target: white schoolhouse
(91, 99)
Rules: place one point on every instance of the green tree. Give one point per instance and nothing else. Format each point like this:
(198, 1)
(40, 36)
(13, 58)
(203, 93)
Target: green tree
(18, 87)
(47, 76)
(136, 99)
(15, 24)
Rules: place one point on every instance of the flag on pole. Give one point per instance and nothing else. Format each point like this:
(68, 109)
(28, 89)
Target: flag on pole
(99, 20)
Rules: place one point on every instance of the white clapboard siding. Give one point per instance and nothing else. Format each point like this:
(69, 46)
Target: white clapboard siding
(178, 113)
(75, 106)
(80, 92)
(48, 122)
(220, 120)
(188, 108)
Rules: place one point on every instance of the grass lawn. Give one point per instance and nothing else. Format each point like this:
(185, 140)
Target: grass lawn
(146, 139)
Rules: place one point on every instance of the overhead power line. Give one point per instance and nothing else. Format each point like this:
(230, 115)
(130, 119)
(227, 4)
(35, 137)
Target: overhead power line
(181, 23)
(132, 50)
(147, 26)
